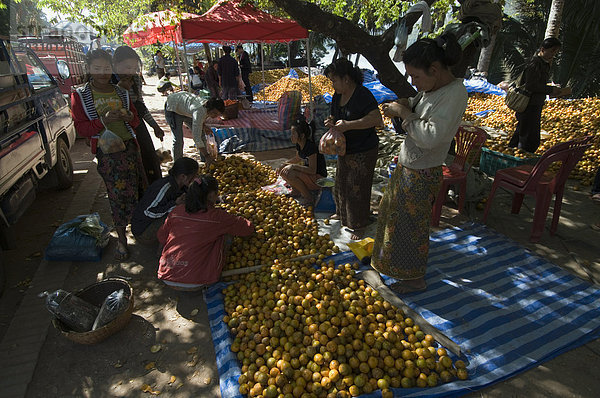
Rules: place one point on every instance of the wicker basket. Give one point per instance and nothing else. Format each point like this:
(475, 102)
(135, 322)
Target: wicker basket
(96, 294)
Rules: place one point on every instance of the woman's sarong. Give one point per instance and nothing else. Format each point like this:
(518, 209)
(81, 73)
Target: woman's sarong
(125, 180)
(353, 181)
(402, 241)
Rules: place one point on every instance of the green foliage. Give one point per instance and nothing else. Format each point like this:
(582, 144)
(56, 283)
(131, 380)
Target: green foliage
(112, 17)
(576, 64)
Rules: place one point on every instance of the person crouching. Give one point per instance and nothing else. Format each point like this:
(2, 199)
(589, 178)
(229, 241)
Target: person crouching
(196, 238)
(160, 199)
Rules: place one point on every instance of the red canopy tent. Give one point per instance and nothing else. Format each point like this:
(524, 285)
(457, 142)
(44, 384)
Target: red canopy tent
(230, 21)
(161, 27)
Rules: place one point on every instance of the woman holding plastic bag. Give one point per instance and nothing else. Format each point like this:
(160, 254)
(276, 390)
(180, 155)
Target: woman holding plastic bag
(127, 65)
(430, 120)
(354, 116)
(104, 113)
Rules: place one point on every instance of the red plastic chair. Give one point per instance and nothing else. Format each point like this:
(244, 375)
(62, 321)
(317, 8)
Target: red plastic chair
(468, 139)
(537, 181)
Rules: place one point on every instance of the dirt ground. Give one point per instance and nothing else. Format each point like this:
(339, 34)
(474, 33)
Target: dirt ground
(176, 323)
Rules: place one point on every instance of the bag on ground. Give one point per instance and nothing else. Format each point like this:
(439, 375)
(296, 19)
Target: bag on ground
(80, 239)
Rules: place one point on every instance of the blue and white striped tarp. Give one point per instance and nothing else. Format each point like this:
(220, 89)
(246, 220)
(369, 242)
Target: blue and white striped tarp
(507, 308)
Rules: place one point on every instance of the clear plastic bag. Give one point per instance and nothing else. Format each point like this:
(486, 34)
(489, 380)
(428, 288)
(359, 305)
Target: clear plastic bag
(110, 142)
(114, 304)
(333, 142)
(211, 146)
(74, 312)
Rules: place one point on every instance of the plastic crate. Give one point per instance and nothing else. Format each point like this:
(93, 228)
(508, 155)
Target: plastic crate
(492, 161)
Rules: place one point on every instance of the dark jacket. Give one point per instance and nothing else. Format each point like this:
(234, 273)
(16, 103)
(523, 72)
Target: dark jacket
(228, 70)
(245, 64)
(158, 200)
(536, 75)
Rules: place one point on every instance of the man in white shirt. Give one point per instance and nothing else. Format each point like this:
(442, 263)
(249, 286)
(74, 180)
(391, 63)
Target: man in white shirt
(186, 107)
(159, 60)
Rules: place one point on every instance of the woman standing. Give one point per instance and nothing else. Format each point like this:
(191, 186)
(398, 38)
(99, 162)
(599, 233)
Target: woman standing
(354, 112)
(212, 79)
(430, 120)
(536, 76)
(127, 67)
(100, 106)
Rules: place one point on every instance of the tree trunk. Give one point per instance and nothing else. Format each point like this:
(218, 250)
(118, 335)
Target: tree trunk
(485, 57)
(553, 26)
(350, 38)
(207, 52)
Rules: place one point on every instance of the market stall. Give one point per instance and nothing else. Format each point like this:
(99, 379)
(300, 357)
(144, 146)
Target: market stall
(157, 27)
(234, 22)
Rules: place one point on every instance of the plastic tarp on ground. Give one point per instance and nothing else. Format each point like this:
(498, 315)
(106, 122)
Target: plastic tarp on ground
(507, 308)
(382, 93)
(230, 21)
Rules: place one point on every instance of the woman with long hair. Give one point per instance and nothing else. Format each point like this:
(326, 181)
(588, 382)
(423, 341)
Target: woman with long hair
(127, 65)
(101, 107)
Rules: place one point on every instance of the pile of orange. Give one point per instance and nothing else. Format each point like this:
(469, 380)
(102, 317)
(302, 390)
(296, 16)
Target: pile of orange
(300, 329)
(562, 120)
(284, 229)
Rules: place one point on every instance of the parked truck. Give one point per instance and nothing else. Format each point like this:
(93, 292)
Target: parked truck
(64, 58)
(36, 132)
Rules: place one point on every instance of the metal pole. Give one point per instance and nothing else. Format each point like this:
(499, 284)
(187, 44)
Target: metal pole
(262, 66)
(177, 59)
(289, 56)
(310, 100)
(186, 66)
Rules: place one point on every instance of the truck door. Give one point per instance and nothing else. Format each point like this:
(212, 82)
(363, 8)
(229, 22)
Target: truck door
(53, 104)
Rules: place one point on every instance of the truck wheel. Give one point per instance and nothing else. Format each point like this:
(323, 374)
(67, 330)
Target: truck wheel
(64, 165)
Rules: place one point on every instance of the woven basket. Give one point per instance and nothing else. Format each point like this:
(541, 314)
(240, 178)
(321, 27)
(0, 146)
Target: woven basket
(231, 111)
(96, 294)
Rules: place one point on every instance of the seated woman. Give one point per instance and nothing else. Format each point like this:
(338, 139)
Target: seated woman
(303, 171)
(197, 79)
(194, 238)
(160, 199)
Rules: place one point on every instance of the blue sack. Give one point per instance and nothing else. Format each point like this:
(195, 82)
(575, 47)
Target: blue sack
(81, 239)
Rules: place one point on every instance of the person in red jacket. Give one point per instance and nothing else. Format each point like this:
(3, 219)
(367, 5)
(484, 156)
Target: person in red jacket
(100, 106)
(194, 238)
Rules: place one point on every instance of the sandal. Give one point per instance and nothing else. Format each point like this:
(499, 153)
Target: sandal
(595, 227)
(121, 254)
(356, 234)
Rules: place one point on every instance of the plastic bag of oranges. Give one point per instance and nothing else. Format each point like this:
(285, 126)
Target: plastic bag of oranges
(333, 142)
